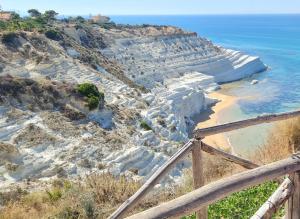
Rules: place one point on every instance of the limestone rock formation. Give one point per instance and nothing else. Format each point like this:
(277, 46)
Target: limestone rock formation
(155, 75)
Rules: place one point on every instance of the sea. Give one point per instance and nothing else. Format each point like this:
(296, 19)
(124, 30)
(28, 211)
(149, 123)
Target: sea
(275, 39)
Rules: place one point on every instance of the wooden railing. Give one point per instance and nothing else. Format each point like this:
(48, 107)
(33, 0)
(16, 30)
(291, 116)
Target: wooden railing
(203, 195)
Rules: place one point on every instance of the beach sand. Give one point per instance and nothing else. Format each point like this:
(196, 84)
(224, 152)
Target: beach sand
(213, 118)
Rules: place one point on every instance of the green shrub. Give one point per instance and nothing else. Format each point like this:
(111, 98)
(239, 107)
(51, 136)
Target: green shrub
(54, 195)
(67, 185)
(89, 209)
(145, 126)
(242, 204)
(68, 213)
(17, 23)
(92, 93)
(108, 26)
(3, 25)
(26, 24)
(53, 35)
(93, 102)
(88, 90)
(32, 24)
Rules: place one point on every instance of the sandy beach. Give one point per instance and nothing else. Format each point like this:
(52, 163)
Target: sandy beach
(220, 140)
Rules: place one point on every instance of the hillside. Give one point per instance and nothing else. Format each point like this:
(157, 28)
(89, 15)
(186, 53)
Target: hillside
(154, 80)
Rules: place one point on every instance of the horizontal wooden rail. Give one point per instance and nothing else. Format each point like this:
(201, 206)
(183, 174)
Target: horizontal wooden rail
(201, 133)
(212, 192)
(152, 181)
(276, 200)
(229, 157)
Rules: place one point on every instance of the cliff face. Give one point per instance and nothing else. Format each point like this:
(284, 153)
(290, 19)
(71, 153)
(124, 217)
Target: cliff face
(179, 67)
(148, 60)
(43, 140)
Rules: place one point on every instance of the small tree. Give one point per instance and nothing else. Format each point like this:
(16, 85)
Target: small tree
(34, 13)
(15, 16)
(50, 15)
(79, 19)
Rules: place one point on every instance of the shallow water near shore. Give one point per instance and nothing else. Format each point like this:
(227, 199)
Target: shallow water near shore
(244, 141)
(275, 38)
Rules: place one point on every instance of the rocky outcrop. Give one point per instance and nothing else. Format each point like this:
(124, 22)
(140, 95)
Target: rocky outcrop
(172, 106)
(49, 133)
(149, 60)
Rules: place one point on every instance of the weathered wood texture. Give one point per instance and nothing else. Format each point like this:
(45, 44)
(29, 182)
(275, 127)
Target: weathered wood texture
(276, 200)
(212, 192)
(229, 157)
(198, 175)
(152, 181)
(294, 201)
(200, 133)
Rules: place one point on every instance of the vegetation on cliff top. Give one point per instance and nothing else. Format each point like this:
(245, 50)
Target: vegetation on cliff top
(37, 21)
(17, 23)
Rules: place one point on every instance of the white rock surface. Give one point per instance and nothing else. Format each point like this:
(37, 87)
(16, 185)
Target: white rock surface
(179, 69)
(149, 60)
(176, 102)
(254, 82)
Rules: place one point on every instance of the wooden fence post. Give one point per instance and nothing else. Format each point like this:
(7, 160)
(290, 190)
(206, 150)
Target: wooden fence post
(293, 206)
(198, 175)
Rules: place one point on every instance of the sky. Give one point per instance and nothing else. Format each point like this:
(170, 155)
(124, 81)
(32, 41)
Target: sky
(155, 7)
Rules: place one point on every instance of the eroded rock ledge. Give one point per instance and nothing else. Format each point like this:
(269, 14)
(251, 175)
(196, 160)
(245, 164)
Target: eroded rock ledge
(136, 131)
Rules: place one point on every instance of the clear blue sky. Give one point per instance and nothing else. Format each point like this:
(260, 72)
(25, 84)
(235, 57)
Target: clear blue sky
(153, 7)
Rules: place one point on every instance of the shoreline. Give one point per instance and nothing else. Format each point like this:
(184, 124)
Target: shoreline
(224, 101)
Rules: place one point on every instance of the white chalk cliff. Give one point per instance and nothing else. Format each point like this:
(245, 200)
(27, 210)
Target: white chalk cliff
(150, 60)
(177, 68)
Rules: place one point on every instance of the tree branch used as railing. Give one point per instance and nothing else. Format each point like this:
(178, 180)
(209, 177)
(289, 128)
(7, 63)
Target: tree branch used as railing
(229, 157)
(152, 181)
(276, 200)
(212, 192)
(200, 133)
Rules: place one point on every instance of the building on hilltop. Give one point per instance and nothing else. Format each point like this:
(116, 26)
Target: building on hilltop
(5, 15)
(100, 19)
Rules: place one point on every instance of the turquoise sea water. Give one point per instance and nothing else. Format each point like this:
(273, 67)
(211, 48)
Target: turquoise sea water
(275, 38)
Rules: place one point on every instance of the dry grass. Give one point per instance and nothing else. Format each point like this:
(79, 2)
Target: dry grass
(33, 205)
(95, 197)
(281, 142)
(216, 168)
(109, 192)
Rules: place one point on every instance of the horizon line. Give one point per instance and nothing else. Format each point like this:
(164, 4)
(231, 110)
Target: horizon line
(179, 14)
(298, 13)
